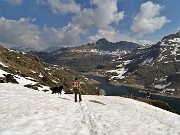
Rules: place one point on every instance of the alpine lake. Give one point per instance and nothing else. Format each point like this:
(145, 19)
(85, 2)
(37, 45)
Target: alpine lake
(111, 90)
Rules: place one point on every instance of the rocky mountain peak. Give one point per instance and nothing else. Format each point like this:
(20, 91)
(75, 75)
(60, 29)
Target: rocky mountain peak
(172, 36)
(102, 41)
(172, 39)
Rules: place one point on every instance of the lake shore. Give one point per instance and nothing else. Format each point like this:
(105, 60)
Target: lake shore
(140, 87)
(117, 89)
(92, 81)
(143, 90)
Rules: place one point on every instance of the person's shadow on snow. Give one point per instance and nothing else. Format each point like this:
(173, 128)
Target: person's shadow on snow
(64, 98)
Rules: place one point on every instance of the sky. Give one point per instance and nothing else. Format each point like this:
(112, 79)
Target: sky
(45, 23)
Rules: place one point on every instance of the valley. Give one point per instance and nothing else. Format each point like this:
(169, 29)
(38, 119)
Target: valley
(155, 67)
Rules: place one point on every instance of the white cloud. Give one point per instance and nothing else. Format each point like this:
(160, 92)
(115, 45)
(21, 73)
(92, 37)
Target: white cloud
(23, 32)
(148, 20)
(101, 17)
(61, 6)
(20, 33)
(14, 2)
(66, 36)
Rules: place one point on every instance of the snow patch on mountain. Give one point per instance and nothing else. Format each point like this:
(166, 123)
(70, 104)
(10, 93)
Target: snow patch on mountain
(101, 52)
(2, 64)
(23, 80)
(175, 40)
(2, 72)
(40, 75)
(171, 45)
(148, 61)
(120, 73)
(161, 86)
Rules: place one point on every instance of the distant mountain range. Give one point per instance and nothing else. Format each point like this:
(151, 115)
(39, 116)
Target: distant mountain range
(104, 45)
(30, 49)
(23, 49)
(52, 49)
(87, 57)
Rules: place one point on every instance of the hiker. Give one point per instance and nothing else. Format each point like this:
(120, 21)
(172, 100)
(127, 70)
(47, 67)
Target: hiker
(76, 88)
(148, 94)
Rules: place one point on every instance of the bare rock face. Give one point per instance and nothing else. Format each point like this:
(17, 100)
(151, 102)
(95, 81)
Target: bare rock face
(9, 78)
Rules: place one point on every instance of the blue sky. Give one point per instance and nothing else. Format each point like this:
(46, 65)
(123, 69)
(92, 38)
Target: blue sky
(44, 23)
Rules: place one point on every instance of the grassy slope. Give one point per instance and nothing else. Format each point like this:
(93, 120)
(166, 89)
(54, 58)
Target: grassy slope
(30, 66)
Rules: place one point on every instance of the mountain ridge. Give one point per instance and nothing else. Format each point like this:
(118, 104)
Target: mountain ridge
(156, 68)
(87, 57)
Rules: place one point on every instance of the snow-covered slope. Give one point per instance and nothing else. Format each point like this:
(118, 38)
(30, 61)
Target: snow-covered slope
(25, 111)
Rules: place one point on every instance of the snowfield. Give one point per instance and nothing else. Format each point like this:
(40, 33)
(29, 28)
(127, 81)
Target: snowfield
(25, 111)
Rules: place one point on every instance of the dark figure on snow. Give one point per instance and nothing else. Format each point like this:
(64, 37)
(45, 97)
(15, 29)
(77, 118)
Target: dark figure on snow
(57, 90)
(148, 94)
(76, 88)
